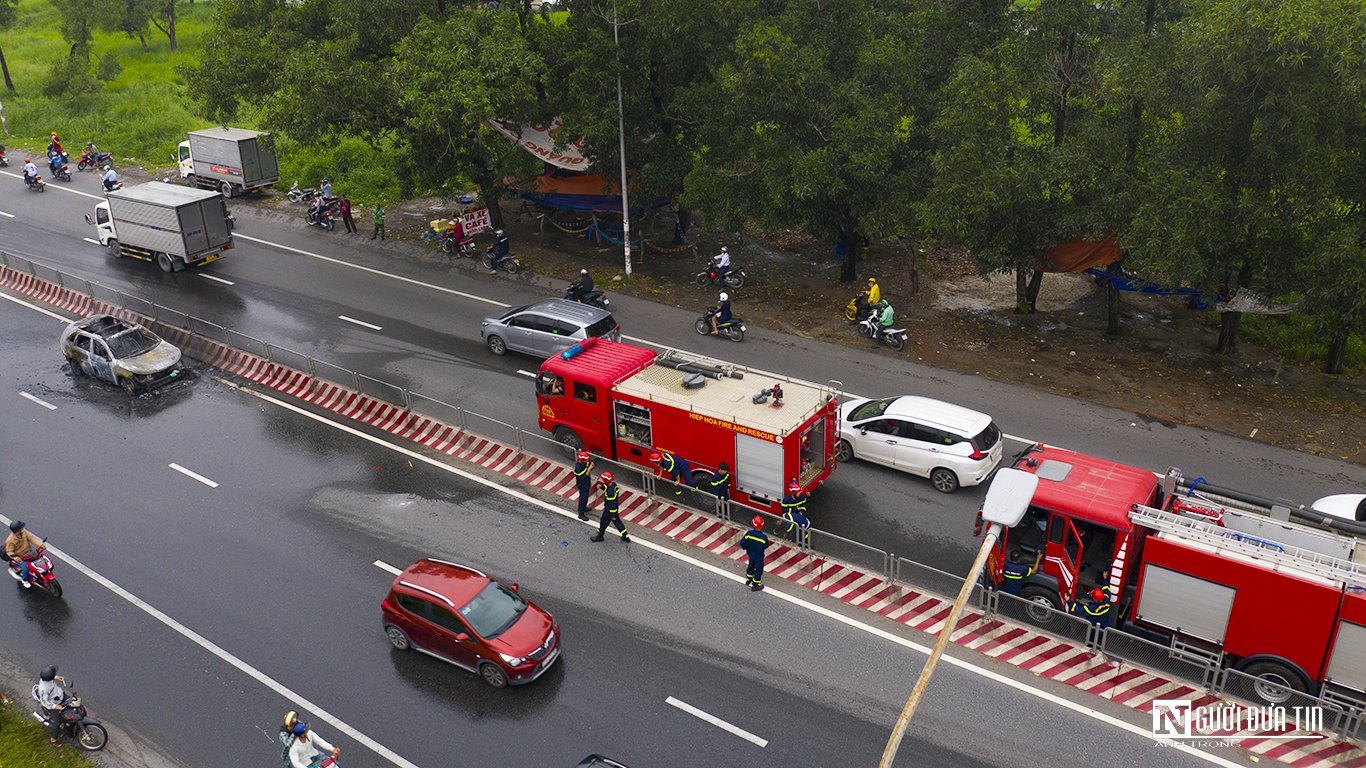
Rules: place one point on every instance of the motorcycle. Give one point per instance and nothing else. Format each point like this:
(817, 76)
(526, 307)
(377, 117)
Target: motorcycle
(324, 217)
(76, 723)
(35, 183)
(114, 186)
(463, 246)
(297, 195)
(733, 329)
(856, 307)
(40, 571)
(89, 162)
(4, 161)
(733, 276)
(594, 298)
(61, 171)
(508, 262)
(892, 337)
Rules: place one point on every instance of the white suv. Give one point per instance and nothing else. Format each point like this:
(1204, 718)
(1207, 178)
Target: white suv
(949, 444)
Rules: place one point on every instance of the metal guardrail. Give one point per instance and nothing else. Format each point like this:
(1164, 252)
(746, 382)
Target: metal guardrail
(1344, 718)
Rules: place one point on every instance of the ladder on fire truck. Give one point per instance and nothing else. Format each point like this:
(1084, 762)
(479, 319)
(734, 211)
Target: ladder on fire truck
(1261, 548)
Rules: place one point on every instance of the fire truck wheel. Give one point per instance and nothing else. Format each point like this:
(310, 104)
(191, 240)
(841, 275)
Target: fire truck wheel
(944, 480)
(1275, 683)
(567, 437)
(844, 451)
(1044, 604)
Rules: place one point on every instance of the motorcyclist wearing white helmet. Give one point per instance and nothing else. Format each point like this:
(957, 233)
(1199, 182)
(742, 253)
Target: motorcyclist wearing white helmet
(722, 260)
(111, 178)
(581, 289)
(720, 312)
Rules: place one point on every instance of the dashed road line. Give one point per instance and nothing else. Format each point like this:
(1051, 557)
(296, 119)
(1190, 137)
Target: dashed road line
(6, 215)
(383, 566)
(371, 326)
(93, 241)
(242, 666)
(526, 373)
(716, 721)
(192, 474)
(39, 401)
(216, 279)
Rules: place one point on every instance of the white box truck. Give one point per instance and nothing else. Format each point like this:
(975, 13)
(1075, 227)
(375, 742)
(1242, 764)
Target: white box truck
(171, 225)
(230, 160)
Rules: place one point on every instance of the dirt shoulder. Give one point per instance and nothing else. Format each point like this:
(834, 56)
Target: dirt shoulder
(1162, 368)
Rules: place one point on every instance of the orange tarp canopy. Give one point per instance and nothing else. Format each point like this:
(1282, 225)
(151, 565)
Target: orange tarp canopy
(1080, 254)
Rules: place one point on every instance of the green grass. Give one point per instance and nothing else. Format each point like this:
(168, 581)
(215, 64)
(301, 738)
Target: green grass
(144, 112)
(23, 742)
(1293, 336)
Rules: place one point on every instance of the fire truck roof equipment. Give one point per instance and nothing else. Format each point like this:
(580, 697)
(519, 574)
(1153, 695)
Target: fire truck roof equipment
(1093, 489)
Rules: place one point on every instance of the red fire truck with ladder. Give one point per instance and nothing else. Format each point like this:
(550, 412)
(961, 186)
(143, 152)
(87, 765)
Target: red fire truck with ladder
(625, 402)
(1281, 602)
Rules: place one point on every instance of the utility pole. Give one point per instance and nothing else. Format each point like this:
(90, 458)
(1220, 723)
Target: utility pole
(621, 136)
(1007, 499)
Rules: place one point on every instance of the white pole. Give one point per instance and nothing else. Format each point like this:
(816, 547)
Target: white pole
(621, 135)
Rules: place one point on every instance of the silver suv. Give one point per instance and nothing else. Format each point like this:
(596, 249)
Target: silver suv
(547, 327)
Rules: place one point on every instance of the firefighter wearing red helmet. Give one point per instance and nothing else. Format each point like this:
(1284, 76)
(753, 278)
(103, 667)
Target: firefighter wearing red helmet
(583, 480)
(794, 499)
(1096, 610)
(610, 494)
(754, 543)
(678, 470)
(795, 525)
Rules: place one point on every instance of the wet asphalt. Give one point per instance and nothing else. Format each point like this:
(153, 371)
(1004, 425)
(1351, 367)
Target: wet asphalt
(275, 567)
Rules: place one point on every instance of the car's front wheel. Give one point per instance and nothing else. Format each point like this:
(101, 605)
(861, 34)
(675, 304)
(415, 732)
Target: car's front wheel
(844, 451)
(497, 346)
(493, 675)
(398, 638)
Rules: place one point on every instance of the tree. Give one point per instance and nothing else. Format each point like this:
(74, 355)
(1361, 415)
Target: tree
(1250, 123)
(1010, 176)
(804, 128)
(9, 14)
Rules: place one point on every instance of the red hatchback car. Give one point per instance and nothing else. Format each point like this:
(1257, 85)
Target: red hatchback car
(459, 615)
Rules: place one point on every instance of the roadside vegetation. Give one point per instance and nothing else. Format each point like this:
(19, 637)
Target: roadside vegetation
(23, 742)
(1218, 141)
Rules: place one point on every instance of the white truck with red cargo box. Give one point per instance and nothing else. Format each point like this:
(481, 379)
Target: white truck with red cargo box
(1281, 602)
(625, 402)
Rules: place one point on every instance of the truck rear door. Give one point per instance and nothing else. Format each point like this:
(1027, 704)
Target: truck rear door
(1063, 554)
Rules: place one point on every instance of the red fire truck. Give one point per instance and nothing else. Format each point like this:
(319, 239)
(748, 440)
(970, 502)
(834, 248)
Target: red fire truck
(625, 402)
(1282, 602)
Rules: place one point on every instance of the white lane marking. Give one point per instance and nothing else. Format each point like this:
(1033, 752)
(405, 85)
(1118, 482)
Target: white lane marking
(35, 307)
(240, 665)
(372, 271)
(716, 721)
(216, 279)
(383, 566)
(195, 475)
(41, 402)
(91, 240)
(526, 373)
(359, 322)
(731, 575)
(6, 215)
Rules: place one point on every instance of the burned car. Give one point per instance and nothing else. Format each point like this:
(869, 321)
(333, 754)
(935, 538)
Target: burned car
(120, 352)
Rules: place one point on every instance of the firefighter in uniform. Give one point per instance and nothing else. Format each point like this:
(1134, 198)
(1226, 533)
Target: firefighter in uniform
(678, 470)
(610, 494)
(719, 482)
(754, 543)
(583, 480)
(794, 500)
(1096, 610)
(1016, 572)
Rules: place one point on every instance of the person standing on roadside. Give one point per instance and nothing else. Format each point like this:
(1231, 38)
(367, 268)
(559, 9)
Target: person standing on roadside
(610, 514)
(378, 213)
(754, 543)
(719, 482)
(345, 206)
(583, 480)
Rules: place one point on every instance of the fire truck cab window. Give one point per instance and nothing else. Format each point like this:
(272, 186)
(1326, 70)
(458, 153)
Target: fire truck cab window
(585, 392)
(633, 424)
(550, 384)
